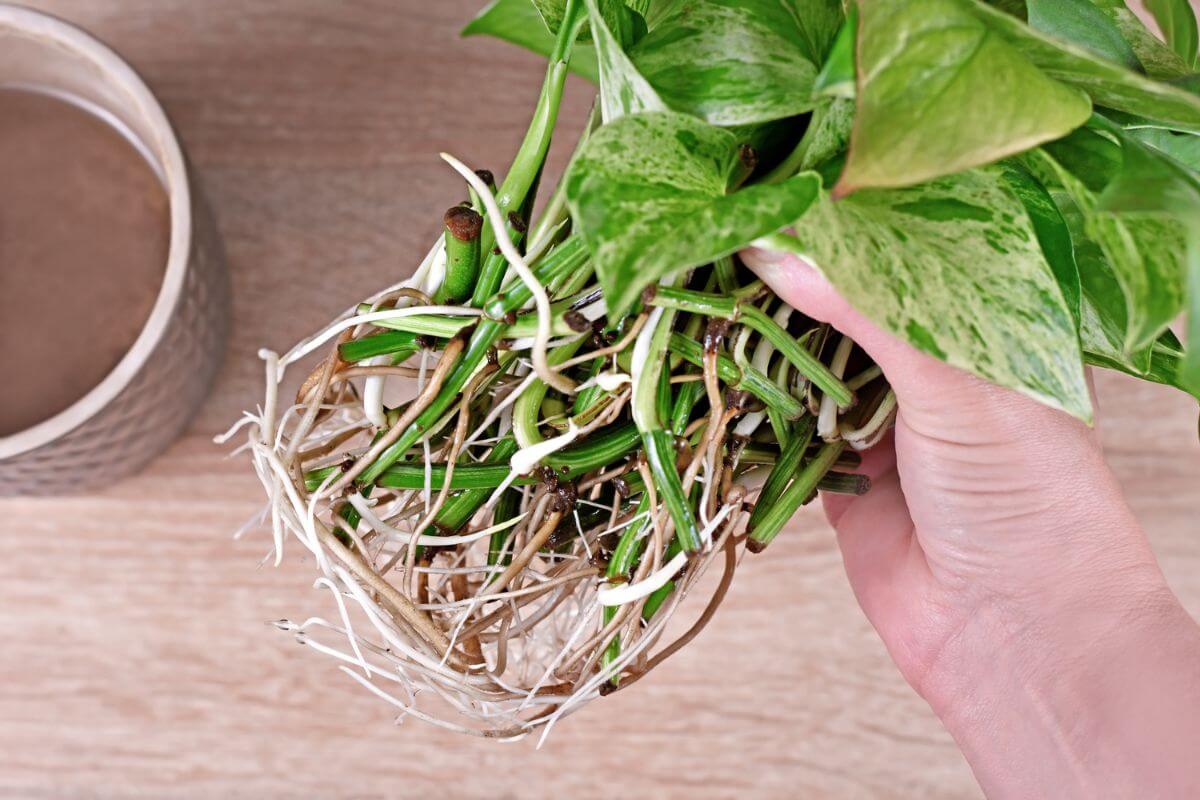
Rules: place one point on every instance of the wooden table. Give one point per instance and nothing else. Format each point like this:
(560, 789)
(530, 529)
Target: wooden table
(135, 658)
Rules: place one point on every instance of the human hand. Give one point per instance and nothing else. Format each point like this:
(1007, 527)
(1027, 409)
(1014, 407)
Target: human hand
(1001, 566)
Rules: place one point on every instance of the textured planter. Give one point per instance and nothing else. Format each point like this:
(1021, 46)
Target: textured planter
(146, 401)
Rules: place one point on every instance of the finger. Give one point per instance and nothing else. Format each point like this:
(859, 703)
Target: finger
(882, 559)
(919, 380)
(876, 462)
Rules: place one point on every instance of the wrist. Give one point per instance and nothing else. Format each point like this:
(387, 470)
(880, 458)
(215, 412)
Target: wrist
(1087, 693)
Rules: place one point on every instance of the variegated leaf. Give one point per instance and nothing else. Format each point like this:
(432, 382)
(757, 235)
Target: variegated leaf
(648, 194)
(954, 267)
(939, 91)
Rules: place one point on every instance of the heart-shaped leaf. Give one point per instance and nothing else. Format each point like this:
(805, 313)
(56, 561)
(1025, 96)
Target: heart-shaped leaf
(738, 62)
(623, 90)
(517, 22)
(954, 267)
(648, 194)
(939, 92)
(1108, 84)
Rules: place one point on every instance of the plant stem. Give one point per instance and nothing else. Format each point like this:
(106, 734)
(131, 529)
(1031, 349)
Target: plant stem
(532, 154)
(660, 445)
(527, 409)
(506, 508)
(726, 277)
(463, 226)
(487, 333)
(800, 489)
(729, 308)
(459, 509)
(748, 379)
(379, 344)
(785, 467)
(495, 265)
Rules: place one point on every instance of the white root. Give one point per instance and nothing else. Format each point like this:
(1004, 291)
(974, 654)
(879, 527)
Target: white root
(479, 632)
(641, 354)
(630, 592)
(871, 431)
(761, 360)
(363, 506)
(525, 460)
(827, 419)
(612, 381)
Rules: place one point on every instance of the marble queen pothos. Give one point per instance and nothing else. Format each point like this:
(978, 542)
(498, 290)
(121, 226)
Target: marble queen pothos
(512, 468)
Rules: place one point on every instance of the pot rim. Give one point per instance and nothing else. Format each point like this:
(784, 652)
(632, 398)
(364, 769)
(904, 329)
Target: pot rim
(167, 160)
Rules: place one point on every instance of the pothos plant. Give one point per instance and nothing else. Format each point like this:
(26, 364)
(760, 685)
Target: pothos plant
(513, 466)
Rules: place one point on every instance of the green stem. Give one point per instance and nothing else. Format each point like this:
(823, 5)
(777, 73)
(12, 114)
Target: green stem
(685, 402)
(380, 344)
(800, 489)
(625, 555)
(660, 456)
(495, 266)
(463, 226)
(532, 154)
(459, 509)
(527, 409)
(487, 333)
(749, 379)
(658, 444)
(594, 452)
(734, 310)
(588, 396)
(785, 467)
(726, 276)
(555, 211)
(506, 508)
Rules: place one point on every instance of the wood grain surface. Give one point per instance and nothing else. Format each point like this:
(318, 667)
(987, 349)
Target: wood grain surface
(135, 658)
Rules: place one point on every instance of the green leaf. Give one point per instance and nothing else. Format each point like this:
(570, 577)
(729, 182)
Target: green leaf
(517, 22)
(1165, 365)
(1189, 371)
(653, 11)
(648, 194)
(1103, 311)
(1156, 59)
(1183, 147)
(1137, 243)
(1144, 248)
(820, 21)
(940, 92)
(954, 267)
(1153, 183)
(1150, 181)
(837, 75)
(828, 132)
(826, 136)
(623, 20)
(551, 12)
(1053, 235)
(622, 88)
(1177, 21)
(1082, 22)
(1107, 83)
(1094, 159)
(731, 62)
(1014, 7)
(1146, 252)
